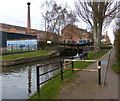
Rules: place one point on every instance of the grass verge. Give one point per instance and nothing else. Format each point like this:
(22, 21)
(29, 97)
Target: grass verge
(24, 55)
(92, 56)
(51, 89)
(116, 68)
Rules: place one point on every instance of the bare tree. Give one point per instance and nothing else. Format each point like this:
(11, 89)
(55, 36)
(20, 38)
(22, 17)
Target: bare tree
(46, 6)
(117, 37)
(117, 20)
(57, 17)
(98, 14)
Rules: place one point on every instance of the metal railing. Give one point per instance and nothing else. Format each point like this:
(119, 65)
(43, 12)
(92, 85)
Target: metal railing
(106, 70)
(88, 70)
(17, 49)
(54, 76)
(61, 67)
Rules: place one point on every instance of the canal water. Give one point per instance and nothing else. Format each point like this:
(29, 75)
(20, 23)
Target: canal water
(19, 81)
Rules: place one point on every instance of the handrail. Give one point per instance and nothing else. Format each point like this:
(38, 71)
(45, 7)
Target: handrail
(38, 75)
(106, 70)
(42, 65)
(50, 79)
(81, 60)
(50, 71)
(65, 70)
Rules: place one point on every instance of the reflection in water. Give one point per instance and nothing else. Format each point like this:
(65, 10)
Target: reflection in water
(19, 81)
(29, 82)
(46, 75)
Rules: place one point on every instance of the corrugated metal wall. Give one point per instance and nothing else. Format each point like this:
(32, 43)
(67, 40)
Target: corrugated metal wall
(4, 36)
(3, 39)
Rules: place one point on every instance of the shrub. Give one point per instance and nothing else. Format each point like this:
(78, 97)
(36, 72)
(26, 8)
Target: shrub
(43, 44)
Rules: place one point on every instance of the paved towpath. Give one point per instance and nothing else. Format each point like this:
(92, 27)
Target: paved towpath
(85, 85)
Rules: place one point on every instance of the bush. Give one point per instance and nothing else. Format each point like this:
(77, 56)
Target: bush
(43, 44)
(116, 68)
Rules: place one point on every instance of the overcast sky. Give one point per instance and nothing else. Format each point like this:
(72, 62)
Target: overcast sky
(14, 12)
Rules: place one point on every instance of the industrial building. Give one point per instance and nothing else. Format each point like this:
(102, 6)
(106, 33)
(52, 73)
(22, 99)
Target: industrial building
(7, 36)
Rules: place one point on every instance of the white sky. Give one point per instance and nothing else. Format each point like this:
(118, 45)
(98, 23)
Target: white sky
(14, 12)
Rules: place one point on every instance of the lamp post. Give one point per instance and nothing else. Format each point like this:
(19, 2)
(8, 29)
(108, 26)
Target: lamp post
(99, 72)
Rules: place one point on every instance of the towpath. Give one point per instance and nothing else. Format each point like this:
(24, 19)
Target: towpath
(85, 85)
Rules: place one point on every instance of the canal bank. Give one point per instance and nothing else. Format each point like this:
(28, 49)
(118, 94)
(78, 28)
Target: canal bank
(25, 57)
(28, 59)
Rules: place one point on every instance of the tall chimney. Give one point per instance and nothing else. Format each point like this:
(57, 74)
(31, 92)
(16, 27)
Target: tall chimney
(28, 19)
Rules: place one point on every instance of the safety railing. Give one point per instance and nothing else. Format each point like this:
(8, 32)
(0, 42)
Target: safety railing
(63, 70)
(54, 76)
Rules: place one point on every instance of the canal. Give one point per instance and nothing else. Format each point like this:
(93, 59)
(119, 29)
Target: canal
(19, 81)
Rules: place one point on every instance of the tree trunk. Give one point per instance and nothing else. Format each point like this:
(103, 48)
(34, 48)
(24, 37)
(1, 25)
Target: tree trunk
(97, 38)
(99, 30)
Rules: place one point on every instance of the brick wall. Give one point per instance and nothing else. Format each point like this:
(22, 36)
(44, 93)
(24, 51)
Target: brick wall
(23, 30)
(74, 34)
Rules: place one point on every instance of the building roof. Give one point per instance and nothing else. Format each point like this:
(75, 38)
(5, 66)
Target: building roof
(18, 27)
(75, 26)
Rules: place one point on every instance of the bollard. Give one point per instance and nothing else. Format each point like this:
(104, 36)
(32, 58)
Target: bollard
(99, 72)
(72, 65)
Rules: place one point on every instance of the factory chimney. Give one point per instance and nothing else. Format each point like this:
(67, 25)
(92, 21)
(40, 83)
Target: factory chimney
(28, 19)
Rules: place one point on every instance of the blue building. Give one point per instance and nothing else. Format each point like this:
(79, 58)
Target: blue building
(11, 38)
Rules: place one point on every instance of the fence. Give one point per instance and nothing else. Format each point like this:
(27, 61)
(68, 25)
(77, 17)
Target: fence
(70, 61)
(88, 70)
(15, 49)
(106, 70)
(55, 69)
